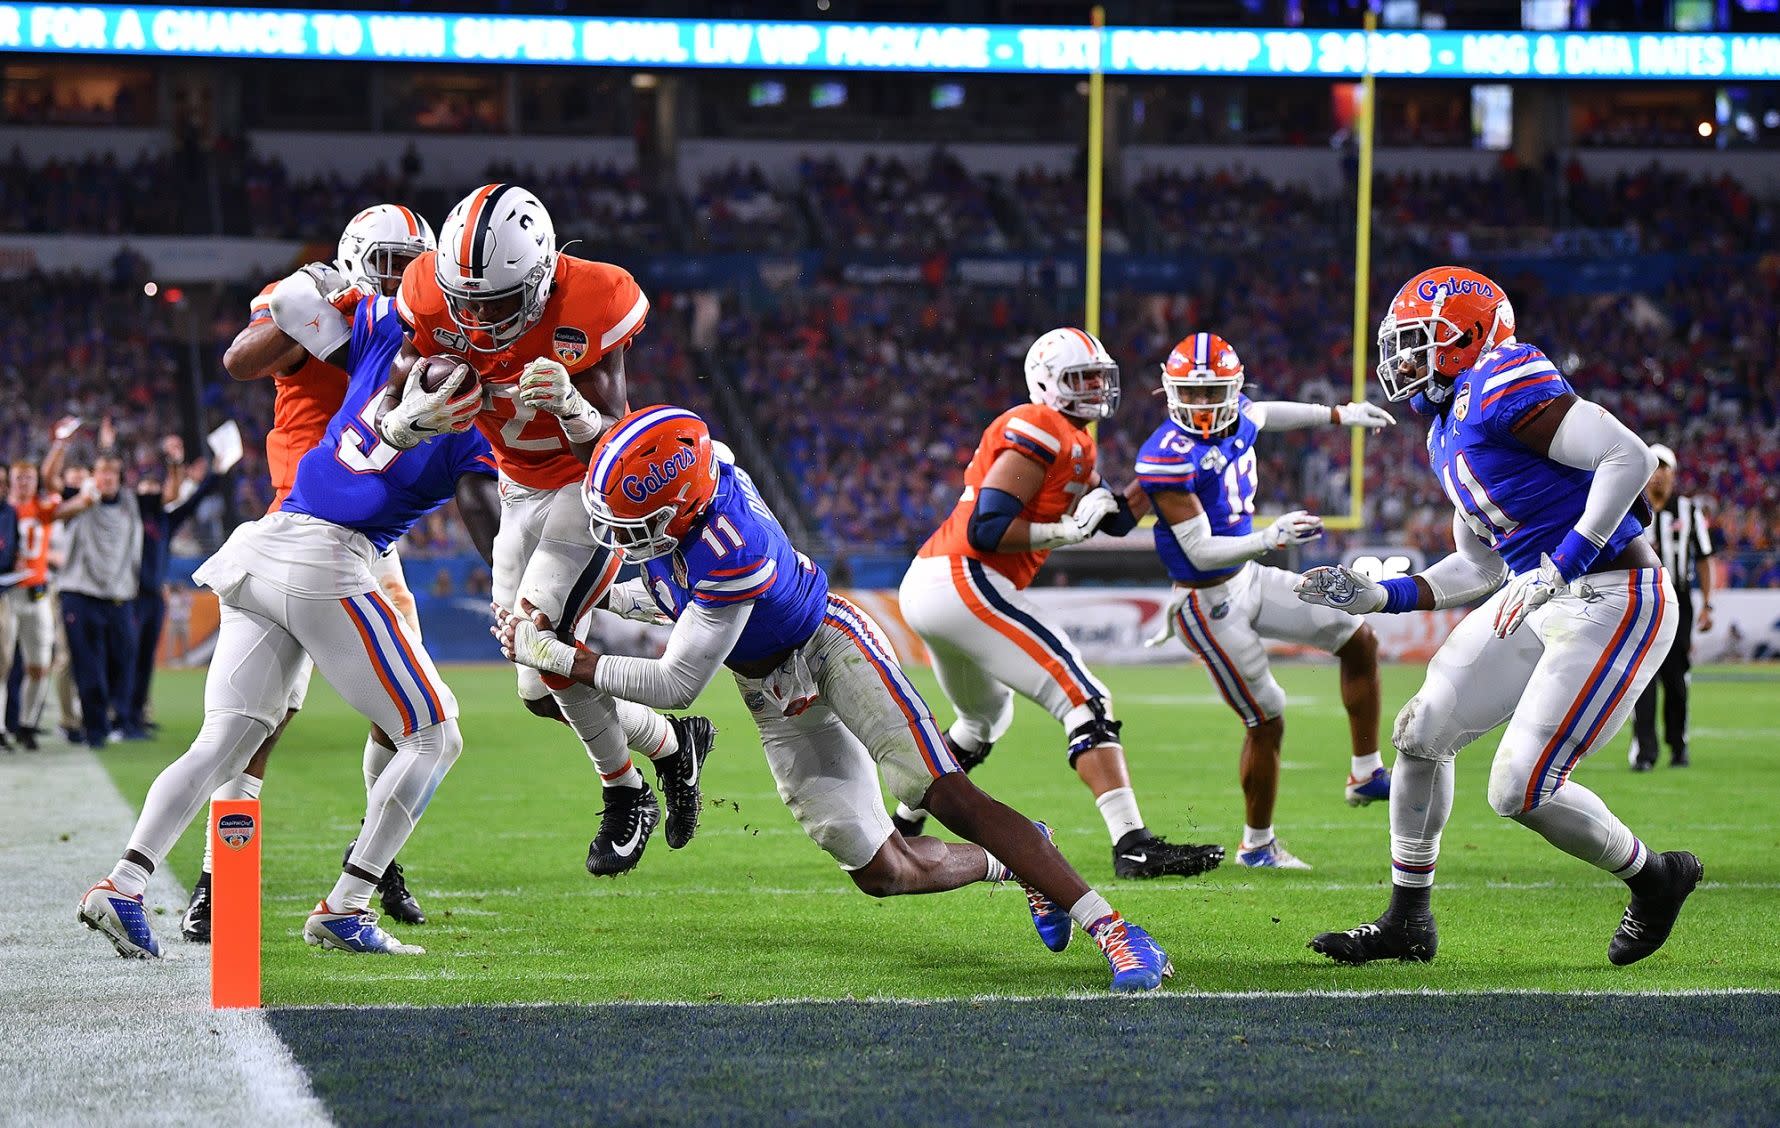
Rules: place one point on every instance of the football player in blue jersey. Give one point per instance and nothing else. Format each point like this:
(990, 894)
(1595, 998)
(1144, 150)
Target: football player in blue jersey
(296, 583)
(1198, 469)
(1579, 614)
(833, 707)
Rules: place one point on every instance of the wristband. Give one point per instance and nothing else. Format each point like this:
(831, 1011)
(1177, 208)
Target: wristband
(583, 428)
(1574, 555)
(1401, 594)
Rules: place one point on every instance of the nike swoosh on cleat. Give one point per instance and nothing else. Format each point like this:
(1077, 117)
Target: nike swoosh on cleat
(636, 834)
(1138, 858)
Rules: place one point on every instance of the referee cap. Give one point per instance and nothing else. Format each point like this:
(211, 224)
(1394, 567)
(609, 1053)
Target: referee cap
(1664, 455)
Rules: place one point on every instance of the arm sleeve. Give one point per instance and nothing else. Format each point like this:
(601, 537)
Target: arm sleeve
(1284, 415)
(702, 639)
(1590, 438)
(1209, 553)
(1470, 573)
(994, 511)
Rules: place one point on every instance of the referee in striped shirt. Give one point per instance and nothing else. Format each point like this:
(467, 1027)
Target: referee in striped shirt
(1682, 539)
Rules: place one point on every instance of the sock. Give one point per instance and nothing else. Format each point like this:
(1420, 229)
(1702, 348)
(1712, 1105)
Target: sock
(130, 879)
(964, 737)
(594, 717)
(1091, 910)
(350, 894)
(377, 757)
(1364, 766)
(243, 786)
(1410, 901)
(1119, 808)
(908, 813)
(31, 695)
(627, 776)
(1576, 821)
(647, 731)
(1649, 875)
(1254, 837)
(997, 871)
(1421, 802)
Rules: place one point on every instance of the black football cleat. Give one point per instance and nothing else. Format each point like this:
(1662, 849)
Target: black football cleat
(398, 903)
(679, 775)
(27, 738)
(629, 818)
(392, 891)
(194, 925)
(908, 828)
(969, 761)
(1387, 938)
(1651, 916)
(1157, 857)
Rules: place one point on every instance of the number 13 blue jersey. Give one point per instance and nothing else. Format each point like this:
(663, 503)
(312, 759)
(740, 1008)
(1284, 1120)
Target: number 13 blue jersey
(355, 479)
(1517, 501)
(1219, 472)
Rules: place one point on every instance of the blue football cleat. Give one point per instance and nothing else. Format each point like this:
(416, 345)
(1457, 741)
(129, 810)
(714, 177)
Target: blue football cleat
(121, 919)
(1369, 790)
(1138, 962)
(353, 932)
(1270, 855)
(1050, 919)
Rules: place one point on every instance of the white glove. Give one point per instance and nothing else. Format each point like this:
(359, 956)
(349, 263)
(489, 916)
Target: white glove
(631, 600)
(303, 310)
(544, 385)
(522, 642)
(1296, 527)
(65, 428)
(423, 414)
(1170, 617)
(1363, 415)
(1528, 592)
(1076, 526)
(1342, 588)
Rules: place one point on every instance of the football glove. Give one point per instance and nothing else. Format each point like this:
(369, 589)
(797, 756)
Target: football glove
(631, 600)
(1342, 588)
(65, 428)
(1363, 415)
(1528, 592)
(1170, 617)
(1296, 527)
(423, 414)
(544, 385)
(1077, 526)
(524, 643)
(303, 309)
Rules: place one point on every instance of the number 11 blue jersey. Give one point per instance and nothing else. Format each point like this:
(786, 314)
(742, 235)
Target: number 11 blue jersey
(353, 478)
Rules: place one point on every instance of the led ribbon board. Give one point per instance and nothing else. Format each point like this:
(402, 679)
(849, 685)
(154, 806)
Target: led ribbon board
(116, 29)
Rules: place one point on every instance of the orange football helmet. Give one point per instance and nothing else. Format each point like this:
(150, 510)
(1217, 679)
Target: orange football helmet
(1203, 381)
(651, 478)
(1440, 324)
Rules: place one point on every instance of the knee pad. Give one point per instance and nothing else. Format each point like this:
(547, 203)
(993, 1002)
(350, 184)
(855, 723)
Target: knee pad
(1508, 789)
(1094, 732)
(1413, 732)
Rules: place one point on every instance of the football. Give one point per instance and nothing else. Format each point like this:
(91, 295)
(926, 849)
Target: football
(432, 373)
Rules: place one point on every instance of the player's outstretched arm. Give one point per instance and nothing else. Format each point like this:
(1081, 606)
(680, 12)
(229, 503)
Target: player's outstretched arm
(702, 638)
(1186, 519)
(1469, 574)
(1287, 415)
(1578, 433)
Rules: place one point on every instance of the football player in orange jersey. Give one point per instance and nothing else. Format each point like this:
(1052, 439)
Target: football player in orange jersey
(545, 334)
(374, 248)
(1032, 487)
(28, 602)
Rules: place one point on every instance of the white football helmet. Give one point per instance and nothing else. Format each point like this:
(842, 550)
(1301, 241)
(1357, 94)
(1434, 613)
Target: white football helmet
(1071, 371)
(496, 264)
(379, 243)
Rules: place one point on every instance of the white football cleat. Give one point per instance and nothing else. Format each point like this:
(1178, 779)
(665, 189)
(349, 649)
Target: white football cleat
(1269, 855)
(121, 919)
(353, 932)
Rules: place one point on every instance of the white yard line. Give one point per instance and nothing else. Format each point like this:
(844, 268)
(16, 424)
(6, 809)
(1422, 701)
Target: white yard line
(92, 1038)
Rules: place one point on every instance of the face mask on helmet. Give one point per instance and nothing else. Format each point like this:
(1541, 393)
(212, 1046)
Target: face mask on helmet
(635, 539)
(1090, 392)
(384, 265)
(1406, 356)
(1202, 400)
(491, 321)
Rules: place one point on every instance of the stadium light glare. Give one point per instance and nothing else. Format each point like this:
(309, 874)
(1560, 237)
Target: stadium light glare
(1705, 129)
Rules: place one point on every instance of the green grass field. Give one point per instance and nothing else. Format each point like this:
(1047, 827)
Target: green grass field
(752, 910)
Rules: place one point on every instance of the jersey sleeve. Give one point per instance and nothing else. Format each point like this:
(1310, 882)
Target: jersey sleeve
(1513, 387)
(623, 312)
(261, 307)
(419, 303)
(1163, 465)
(740, 574)
(1025, 430)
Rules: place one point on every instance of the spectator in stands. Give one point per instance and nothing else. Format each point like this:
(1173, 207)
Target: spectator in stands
(99, 582)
